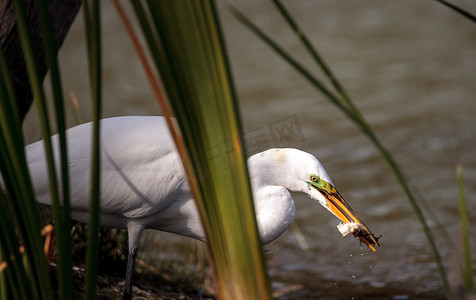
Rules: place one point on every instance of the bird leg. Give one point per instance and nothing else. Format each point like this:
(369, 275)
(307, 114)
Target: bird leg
(130, 269)
(134, 232)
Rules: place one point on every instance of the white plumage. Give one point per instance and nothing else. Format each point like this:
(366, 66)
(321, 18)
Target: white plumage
(143, 184)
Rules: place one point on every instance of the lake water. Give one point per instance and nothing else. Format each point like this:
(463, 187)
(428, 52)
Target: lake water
(410, 67)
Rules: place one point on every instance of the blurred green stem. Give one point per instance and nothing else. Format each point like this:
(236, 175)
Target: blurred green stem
(185, 42)
(459, 10)
(61, 213)
(92, 22)
(468, 276)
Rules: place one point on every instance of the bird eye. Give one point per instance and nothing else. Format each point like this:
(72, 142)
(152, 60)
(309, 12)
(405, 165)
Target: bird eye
(314, 178)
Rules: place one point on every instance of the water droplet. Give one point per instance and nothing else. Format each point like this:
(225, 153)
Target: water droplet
(353, 276)
(371, 267)
(350, 255)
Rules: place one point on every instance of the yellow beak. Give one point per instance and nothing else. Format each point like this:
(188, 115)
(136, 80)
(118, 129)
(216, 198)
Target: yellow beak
(346, 214)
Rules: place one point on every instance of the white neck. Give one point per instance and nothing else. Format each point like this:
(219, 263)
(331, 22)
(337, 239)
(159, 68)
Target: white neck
(275, 211)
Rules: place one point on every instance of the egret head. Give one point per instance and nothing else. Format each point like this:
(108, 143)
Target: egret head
(299, 171)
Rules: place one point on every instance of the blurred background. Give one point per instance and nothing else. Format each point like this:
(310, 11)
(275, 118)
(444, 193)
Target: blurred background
(410, 66)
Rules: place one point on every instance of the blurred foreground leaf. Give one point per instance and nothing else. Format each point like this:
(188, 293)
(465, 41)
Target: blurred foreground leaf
(187, 46)
(92, 21)
(467, 271)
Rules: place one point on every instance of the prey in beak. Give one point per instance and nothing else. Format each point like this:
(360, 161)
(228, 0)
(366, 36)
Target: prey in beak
(337, 205)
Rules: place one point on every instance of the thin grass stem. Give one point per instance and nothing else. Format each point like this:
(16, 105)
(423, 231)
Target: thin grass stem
(61, 213)
(293, 62)
(315, 55)
(92, 19)
(459, 10)
(35, 79)
(467, 271)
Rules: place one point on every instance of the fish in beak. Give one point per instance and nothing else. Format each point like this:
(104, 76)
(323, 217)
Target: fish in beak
(337, 205)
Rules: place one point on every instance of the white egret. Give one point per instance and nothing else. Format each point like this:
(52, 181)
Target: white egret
(143, 184)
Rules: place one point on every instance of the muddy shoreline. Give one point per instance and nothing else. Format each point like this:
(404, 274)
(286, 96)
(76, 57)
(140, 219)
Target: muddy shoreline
(155, 286)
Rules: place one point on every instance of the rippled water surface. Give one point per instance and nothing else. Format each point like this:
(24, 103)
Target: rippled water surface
(410, 66)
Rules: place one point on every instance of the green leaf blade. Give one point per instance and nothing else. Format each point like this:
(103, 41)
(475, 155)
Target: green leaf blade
(195, 73)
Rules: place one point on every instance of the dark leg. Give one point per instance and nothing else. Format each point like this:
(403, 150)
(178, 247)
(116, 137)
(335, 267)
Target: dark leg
(134, 231)
(131, 259)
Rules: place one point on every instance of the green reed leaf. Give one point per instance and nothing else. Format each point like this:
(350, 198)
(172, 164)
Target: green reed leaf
(61, 213)
(92, 20)
(187, 46)
(467, 271)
